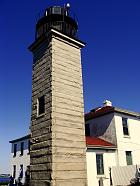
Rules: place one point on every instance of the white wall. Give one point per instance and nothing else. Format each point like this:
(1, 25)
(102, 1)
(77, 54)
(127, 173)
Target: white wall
(109, 158)
(18, 160)
(128, 143)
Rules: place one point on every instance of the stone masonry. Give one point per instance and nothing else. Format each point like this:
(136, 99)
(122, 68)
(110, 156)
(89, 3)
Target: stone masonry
(58, 150)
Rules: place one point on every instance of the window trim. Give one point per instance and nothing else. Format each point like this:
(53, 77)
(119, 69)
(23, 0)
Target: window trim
(100, 174)
(124, 127)
(126, 155)
(15, 150)
(21, 148)
(14, 171)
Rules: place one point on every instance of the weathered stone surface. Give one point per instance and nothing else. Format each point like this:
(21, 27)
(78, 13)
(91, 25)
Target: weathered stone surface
(43, 159)
(58, 148)
(40, 145)
(67, 175)
(70, 182)
(66, 123)
(69, 166)
(69, 157)
(41, 175)
(41, 167)
(72, 137)
(40, 182)
(41, 152)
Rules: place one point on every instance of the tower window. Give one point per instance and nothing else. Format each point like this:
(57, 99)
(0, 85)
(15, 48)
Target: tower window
(125, 126)
(15, 149)
(41, 105)
(21, 148)
(128, 157)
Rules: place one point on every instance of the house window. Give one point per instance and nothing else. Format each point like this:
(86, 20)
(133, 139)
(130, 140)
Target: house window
(41, 105)
(28, 146)
(99, 164)
(21, 171)
(21, 148)
(128, 157)
(15, 149)
(125, 126)
(87, 129)
(14, 171)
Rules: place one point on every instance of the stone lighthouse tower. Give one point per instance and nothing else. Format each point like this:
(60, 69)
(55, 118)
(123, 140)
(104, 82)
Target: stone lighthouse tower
(58, 150)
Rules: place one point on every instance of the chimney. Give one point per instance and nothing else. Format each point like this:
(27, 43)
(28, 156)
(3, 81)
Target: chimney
(107, 103)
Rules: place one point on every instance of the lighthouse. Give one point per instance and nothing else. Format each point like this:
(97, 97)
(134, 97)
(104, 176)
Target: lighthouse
(58, 149)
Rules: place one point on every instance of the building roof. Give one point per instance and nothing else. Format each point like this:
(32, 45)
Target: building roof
(97, 112)
(98, 142)
(20, 139)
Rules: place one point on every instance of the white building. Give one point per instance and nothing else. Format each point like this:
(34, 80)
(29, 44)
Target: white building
(101, 155)
(20, 157)
(119, 127)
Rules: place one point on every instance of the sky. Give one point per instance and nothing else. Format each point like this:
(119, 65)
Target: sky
(110, 59)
